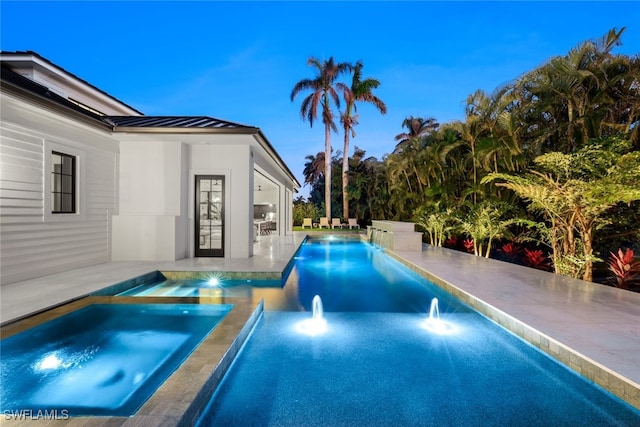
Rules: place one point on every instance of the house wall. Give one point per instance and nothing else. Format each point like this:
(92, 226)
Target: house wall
(34, 242)
(157, 196)
(234, 161)
(151, 223)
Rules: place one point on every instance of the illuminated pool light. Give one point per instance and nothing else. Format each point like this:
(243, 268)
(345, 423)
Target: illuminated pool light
(438, 327)
(49, 362)
(214, 280)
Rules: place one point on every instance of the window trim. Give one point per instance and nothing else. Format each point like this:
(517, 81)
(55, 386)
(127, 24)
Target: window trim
(60, 194)
(51, 147)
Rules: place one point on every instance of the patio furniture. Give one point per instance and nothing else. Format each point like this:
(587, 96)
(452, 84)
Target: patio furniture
(324, 222)
(335, 222)
(353, 223)
(307, 223)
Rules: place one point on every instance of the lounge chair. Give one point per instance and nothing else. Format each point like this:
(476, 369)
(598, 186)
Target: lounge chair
(307, 223)
(324, 222)
(335, 222)
(353, 223)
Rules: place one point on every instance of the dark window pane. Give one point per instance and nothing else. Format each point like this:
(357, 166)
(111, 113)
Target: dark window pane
(67, 203)
(56, 183)
(67, 184)
(55, 202)
(67, 165)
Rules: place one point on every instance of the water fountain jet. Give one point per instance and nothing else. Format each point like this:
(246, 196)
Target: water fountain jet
(434, 323)
(317, 324)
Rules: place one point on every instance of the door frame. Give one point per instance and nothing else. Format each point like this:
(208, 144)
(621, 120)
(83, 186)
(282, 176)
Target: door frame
(198, 252)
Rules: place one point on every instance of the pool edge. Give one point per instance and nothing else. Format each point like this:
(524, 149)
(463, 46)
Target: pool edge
(613, 382)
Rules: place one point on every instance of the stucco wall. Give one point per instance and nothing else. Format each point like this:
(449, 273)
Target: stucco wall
(151, 194)
(234, 161)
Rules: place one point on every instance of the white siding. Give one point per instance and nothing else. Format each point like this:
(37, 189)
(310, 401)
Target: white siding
(34, 242)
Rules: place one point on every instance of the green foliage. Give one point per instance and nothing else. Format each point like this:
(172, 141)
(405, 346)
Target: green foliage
(437, 221)
(303, 209)
(486, 222)
(574, 192)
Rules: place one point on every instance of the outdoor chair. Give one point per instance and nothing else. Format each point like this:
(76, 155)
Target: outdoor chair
(307, 223)
(335, 222)
(324, 222)
(353, 223)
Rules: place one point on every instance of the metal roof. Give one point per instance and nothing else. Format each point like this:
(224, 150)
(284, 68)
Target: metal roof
(196, 122)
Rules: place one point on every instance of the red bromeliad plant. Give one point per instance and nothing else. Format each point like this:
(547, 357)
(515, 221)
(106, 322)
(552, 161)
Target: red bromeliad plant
(536, 259)
(468, 245)
(451, 242)
(510, 250)
(626, 270)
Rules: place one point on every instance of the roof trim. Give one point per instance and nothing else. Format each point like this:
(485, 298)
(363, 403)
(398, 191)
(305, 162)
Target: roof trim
(35, 57)
(274, 155)
(27, 89)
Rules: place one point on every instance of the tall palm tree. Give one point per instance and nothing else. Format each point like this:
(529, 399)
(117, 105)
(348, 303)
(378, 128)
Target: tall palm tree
(416, 127)
(324, 93)
(361, 90)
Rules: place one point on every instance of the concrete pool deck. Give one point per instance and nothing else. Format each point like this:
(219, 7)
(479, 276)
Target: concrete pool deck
(590, 327)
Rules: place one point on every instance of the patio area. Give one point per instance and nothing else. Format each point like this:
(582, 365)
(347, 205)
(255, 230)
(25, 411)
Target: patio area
(589, 327)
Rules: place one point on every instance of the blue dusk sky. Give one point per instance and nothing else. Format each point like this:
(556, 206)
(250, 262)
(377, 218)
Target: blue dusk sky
(238, 61)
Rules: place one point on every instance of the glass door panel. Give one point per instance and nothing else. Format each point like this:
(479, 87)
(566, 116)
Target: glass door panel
(210, 219)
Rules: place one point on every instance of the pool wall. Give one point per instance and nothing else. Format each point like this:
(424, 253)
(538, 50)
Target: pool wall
(615, 383)
(152, 276)
(213, 378)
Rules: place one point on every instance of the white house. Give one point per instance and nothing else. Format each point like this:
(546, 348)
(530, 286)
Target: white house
(87, 179)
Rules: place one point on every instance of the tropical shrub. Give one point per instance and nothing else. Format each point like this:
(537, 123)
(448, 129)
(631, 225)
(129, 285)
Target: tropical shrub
(535, 258)
(624, 268)
(510, 251)
(437, 222)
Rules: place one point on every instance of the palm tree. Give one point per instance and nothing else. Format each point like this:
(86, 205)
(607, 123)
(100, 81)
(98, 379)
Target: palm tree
(416, 127)
(323, 93)
(360, 91)
(313, 168)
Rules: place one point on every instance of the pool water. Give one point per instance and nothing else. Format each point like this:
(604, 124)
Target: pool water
(378, 363)
(103, 359)
(347, 274)
(386, 369)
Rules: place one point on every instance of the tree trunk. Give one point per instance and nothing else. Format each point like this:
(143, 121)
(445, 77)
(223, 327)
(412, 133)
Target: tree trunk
(555, 247)
(345, 177)
(327, 171)
(587, 240)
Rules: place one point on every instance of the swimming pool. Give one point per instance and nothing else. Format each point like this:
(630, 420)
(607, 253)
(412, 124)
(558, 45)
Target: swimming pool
(103, 359)
(377, 363)
(349, 275)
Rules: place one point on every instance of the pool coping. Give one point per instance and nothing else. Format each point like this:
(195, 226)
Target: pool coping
(619, 385)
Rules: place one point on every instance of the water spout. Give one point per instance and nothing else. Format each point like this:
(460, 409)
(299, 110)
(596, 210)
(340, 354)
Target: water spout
(317, 324)
(434, 310)
(318, 312)
(433, 323)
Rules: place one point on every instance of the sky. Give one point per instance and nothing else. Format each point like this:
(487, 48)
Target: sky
(239, 60)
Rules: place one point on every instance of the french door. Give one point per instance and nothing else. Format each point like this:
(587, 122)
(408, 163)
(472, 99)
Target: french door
(209, 224)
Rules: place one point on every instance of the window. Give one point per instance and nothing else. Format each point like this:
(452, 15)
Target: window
(63, 183)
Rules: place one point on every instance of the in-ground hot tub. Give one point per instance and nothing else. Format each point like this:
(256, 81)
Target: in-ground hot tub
(103, 359)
